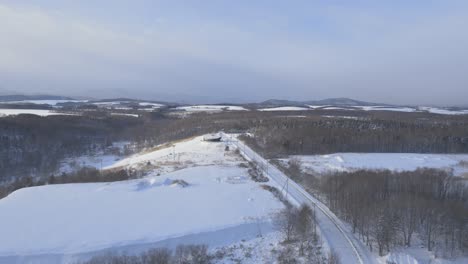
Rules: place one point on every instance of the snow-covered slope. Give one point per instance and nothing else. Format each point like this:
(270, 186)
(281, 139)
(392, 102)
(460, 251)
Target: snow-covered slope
(220, 206)
(75, 218)
(186, 153)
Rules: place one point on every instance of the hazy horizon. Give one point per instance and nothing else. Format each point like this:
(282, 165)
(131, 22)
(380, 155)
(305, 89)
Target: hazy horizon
(211, 52)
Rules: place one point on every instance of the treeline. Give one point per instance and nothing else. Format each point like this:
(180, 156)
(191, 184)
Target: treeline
(183, 254)
(388, 209)
(294, 136)
(84, 175)
(32, 145)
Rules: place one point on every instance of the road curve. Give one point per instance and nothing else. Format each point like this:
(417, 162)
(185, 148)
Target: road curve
(334, 232)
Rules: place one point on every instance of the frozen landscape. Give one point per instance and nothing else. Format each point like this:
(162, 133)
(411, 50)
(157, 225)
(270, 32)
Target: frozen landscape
(212, 196)
(233, 132)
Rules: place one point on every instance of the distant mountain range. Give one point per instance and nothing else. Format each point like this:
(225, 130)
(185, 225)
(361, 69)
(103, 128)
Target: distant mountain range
(329, 101)
(7, 98)
(267, 103)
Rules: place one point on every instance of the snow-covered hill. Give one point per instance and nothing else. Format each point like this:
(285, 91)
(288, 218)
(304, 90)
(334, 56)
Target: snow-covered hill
(216, 204)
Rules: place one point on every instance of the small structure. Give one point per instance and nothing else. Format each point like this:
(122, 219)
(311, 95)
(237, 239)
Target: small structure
(212, 138)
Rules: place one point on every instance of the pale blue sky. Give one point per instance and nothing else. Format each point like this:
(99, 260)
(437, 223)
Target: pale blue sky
(407, 52)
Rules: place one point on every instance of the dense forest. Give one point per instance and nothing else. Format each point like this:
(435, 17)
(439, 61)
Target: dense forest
(32, 145)
(294, 136)
(389, 209)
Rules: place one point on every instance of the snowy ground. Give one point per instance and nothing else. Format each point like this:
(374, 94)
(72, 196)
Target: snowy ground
(124, 114)
(94, 161)
(404, 109)
(391, 161)
(99, 160)
(62, 223)
(417, 255)
(183, 154)
(285, 108)
(210, 108)
(39, 112)
(101, 215)
(442, 111)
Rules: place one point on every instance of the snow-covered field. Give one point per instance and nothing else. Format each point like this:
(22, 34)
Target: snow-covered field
(78, 218)
(386, 108)
(210, 108)
(404, 109)
(285, 108)
(128, 105)
(186, 153)
(124, 114)
(391, 161)
(94, 161)
(442, 111)
(39, 112)
(62, 223)
(417, 255)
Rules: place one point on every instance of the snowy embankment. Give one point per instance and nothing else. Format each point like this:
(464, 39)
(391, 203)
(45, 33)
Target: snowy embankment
(216, 204)
(391, 161)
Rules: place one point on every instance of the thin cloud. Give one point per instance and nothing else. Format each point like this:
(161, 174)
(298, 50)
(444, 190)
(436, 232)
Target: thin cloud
(367, 53)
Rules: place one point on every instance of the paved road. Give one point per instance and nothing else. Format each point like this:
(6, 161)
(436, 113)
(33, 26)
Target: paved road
(336, 234)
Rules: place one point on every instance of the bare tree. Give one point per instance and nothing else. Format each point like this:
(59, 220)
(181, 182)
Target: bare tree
(333, 258)
(285, 221)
